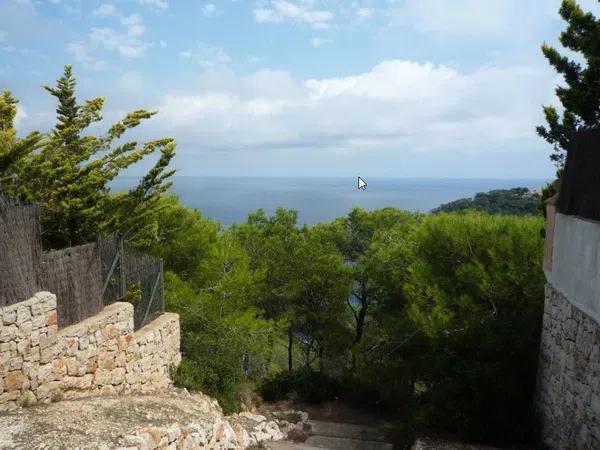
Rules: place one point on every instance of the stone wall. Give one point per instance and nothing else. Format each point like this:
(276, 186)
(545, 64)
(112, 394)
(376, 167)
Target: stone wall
(101, 355)
(568, 397)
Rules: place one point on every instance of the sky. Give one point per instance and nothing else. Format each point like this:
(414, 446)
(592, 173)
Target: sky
(376, 88)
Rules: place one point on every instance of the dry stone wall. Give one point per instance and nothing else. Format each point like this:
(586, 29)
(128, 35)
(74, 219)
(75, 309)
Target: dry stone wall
(100, 355)
(568, 397)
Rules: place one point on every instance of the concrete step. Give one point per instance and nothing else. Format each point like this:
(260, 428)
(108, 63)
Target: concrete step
(340, 443)
(346, 430)
(288, 445)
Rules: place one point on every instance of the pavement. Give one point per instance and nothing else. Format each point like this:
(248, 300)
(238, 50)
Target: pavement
(337, 436)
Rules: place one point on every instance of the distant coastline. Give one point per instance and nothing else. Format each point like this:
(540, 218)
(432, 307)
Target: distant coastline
(320, 199)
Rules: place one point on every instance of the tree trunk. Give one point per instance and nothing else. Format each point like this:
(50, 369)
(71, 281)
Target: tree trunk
(360, 323)
(290, 343)
(321, 351)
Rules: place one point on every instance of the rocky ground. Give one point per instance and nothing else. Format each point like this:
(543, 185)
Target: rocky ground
(170, 419)
(175, 419)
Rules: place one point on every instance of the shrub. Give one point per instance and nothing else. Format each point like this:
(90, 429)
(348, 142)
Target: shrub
(475, 293)
(303, 385)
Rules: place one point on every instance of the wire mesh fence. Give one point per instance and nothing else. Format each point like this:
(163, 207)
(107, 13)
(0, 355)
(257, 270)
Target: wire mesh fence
(132, 276)
(84, 278)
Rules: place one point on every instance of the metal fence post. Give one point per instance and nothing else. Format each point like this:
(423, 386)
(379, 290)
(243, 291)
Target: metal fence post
(162, 285)
(122, 264)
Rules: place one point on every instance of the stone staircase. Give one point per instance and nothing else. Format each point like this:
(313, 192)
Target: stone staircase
(338, 436)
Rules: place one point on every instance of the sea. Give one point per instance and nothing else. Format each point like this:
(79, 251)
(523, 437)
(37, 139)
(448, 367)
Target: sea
(229, 200)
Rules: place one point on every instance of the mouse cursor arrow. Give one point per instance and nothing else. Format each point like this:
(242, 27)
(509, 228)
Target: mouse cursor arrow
(361, 184)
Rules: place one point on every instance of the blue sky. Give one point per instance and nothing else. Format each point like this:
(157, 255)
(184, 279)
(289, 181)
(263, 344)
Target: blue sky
(434, 88)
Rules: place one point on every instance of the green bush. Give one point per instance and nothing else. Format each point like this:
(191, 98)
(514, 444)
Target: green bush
(303, 385)
(475, 294)
(214, 380)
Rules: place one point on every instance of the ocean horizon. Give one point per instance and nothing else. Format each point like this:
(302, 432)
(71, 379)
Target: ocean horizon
(229, 200)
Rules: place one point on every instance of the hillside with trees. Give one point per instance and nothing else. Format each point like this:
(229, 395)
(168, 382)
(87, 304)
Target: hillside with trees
(517, 201)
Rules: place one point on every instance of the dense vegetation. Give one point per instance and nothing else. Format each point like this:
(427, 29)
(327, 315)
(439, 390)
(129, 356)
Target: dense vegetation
(386, 308)
(517, 201)
(579, 95)
(68, 173)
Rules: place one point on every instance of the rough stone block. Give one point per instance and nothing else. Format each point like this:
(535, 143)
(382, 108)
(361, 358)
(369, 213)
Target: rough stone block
(8, 333)
(9, 397)
(13, 381)
(9, 317)
(23, 314)
(46, 390)
(39, 322)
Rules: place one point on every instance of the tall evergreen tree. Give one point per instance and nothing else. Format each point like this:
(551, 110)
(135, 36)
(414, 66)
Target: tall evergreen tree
(70, 175)
(12, 149)
(580, 97)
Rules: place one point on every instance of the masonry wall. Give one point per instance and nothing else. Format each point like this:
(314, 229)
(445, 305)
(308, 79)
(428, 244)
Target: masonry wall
(101, 355)
(568, 397)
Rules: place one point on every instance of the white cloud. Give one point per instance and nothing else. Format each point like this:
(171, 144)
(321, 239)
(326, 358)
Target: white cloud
(319, 41)
(127, 41)
(131, 82)
(163, 44)
(162, 4)
(134, 25)
(364, 13)
(72, 7)
(206, 55)
(397, 104)
(473, 18)
(125, 44)
(22, 51)
(210, 10)
(104, 10)
(82, 55)
(21, 115)
(277, 11)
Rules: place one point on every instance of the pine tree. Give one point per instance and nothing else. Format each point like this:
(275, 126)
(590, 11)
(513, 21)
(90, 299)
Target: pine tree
(580, 97)
(70, 175)
(12, 149)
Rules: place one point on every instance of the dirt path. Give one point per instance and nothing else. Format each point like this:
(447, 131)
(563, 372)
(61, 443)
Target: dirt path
(337, 426)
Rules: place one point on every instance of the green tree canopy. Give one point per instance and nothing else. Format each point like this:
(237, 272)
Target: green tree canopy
(475, 292)
(580, 96)
(518, 201)
(70, 174)
(183, 238)
(12, 149)
(354, 236)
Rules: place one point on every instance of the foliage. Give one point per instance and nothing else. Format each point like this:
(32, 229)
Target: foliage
(305, 282)
(580, 97)
(183, 238)
(69, 175)
(12, 149)
(517, 201)
(318, 315)
(218, 336)
(357, 237)
(302, 385)
(475, 294)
